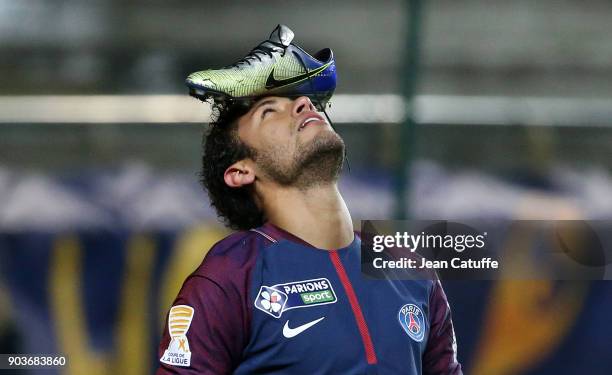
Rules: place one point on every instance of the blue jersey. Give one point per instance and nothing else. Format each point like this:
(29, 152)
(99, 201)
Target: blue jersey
(265, 302)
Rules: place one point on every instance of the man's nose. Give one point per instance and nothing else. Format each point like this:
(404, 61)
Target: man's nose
(302, 104)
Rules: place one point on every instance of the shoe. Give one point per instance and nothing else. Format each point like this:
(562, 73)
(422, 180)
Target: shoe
(275, 67)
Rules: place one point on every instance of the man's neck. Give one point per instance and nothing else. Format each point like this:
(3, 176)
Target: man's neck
(317, 215)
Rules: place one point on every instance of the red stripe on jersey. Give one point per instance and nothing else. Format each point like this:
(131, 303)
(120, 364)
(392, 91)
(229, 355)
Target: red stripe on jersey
(361, 323)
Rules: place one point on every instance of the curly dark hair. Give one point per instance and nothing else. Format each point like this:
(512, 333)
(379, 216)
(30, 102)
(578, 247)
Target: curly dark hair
(222, 148)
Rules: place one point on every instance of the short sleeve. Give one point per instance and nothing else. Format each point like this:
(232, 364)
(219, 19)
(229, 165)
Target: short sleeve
(440, 357)
(205, 329)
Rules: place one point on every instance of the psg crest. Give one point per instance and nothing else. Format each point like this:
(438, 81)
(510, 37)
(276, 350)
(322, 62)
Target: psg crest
(412, 320)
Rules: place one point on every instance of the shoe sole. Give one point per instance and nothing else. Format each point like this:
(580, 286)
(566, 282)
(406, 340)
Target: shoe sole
(205, 94)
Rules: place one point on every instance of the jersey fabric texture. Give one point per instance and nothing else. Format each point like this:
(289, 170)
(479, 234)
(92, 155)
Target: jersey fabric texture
(265, 302)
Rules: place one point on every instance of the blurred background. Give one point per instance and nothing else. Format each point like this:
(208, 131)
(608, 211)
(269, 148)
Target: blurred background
(496, 110)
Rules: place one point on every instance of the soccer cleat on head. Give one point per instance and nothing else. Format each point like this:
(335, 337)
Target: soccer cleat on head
(275, 67)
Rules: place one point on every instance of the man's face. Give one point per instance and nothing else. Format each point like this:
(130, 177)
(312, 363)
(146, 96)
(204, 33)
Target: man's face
(293, 144)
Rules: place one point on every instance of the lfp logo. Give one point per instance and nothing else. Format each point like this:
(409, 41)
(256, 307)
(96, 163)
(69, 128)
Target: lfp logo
(179, 321)
(412, 320)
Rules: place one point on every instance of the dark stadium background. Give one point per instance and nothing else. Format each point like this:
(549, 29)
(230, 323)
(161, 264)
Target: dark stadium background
(102, 217)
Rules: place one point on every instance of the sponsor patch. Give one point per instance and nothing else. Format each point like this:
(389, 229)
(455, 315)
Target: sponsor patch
(276, 299)
(179, 321)
(412, 320)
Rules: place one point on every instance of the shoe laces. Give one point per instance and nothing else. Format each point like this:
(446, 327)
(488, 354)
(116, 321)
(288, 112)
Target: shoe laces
(266, 48)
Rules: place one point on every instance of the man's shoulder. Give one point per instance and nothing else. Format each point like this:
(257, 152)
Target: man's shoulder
(235, 253)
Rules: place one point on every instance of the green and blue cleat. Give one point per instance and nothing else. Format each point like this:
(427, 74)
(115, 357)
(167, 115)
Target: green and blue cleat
(275, 67)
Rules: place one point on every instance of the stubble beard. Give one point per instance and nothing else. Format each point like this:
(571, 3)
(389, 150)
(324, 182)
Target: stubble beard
(316, 163)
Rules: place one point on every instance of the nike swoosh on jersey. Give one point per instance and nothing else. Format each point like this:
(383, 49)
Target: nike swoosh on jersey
(273, 83)
(292, 332)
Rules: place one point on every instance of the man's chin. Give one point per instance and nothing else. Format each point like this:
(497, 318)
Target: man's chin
(315, 162)
(322, 159)
(321, 137)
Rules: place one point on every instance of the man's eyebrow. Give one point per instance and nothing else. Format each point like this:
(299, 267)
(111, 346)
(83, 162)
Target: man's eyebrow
(262, 103)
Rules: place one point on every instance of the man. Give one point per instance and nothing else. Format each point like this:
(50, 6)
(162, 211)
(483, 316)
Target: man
(285, 294)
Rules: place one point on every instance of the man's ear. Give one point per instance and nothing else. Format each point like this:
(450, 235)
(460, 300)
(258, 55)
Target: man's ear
(239, 174)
